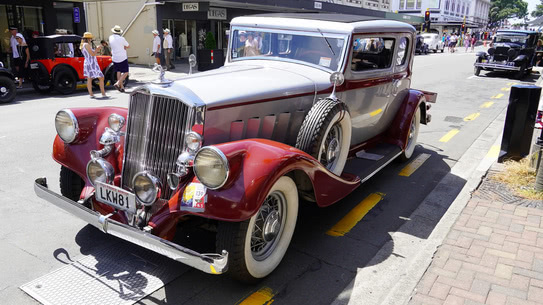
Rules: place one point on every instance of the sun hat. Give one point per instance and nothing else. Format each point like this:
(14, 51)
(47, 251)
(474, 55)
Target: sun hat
(154, 32)
(20, 36)
(166, 31)
(87, 35)
(117, 30)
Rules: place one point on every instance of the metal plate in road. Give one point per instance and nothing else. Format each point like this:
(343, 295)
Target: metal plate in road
(121, 274)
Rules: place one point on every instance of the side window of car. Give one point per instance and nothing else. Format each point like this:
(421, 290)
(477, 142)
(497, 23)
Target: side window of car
(372, 53)
(64, 49)
(401, 55)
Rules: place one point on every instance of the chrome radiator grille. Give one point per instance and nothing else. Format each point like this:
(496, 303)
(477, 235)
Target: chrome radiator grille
(155, 132)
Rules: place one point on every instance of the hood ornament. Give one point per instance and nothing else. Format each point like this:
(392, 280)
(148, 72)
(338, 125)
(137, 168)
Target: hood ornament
(161, 77)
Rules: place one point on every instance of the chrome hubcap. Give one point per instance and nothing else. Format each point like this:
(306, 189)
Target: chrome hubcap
(3, 90)
(268, 226)
(331, 147)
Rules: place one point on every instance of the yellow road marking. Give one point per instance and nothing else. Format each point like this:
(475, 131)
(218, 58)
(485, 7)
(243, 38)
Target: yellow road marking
(414, 165)
(500, 95)
(506, 89)
(376, 112)
(494, 152)
(449, 135)
(355, 215)
(512, 84)
(487, 104)
(264, 296)
(472, 117)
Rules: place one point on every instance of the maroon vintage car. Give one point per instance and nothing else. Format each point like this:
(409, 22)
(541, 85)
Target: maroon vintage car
(307, 107)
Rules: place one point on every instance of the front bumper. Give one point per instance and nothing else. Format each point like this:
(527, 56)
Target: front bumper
(209, 263)
(496, 66)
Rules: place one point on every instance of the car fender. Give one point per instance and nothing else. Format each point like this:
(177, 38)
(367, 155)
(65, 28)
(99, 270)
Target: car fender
(108, 69)
(92, 123)
(7, 73)
(254, 166)
(399, 129)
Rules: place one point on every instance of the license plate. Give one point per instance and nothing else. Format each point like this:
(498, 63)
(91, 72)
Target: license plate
(484, 60)
(115, 197)
(34, 66)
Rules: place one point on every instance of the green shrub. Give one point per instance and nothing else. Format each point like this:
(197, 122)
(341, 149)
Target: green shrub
(210, 42)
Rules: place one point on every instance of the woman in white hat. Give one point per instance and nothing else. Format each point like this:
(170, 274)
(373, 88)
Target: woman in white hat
(91, 69)
(156, 46)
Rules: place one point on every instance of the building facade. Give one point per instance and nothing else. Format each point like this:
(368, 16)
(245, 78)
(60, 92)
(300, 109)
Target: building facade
(190, 20)
(43, 16)
(379, 5)
(447, 15)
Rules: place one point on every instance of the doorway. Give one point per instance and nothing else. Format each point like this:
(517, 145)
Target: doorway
(183, 32)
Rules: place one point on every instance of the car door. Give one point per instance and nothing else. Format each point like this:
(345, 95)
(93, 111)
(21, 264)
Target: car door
(369, 84)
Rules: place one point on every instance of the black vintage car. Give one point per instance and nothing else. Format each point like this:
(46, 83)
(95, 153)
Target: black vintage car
(511, 50)
(7, 85)
(420, 46)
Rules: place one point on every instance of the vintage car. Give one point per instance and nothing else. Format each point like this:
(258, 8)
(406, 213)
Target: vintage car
(57, 63)
(421, 47)
(511, 50)
(321, 107)
(434, 42)
(8, 91)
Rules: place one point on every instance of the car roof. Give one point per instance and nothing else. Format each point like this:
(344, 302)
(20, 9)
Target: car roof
(516, 32)
(61, 38)
(333, 23)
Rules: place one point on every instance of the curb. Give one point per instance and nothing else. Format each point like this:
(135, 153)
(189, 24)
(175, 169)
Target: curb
(400, 264)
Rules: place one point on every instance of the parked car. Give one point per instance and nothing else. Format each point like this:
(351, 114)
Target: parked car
(8, 91)
(321, 107)
(57, 63)
(511, 50)
(434, 42)
(420, 46)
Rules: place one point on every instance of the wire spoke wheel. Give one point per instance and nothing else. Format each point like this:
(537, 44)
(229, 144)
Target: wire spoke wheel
(268, 226)
(331, 148)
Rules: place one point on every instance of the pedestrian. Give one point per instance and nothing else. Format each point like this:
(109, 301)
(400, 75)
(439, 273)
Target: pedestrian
(156, 47)
(118, 55)
(21, 62)
(251, 45)
(467, 41)
(473, 41)
(452, 46)
(168, 49)
(13, 47)
(91, 69)
(105, 50)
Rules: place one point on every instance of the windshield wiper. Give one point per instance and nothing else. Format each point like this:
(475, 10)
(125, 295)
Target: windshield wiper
(329, 46)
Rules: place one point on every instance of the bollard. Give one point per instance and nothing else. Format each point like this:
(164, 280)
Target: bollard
(519, 122)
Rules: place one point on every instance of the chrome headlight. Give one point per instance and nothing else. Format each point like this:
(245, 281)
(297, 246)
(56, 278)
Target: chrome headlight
(193, 141)
(146, 187)
(211, 167)
(100, 170)
(116, 122)
(66, 125)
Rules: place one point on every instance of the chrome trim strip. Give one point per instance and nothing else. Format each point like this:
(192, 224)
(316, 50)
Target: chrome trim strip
(209, 263)
(380, 168)
(497, 66)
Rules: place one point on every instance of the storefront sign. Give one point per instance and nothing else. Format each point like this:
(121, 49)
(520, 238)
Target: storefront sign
(190, 7)
(216, 13)
(76, 15)
(318, 5)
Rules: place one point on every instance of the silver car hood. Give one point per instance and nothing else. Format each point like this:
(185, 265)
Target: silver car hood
(239, 83)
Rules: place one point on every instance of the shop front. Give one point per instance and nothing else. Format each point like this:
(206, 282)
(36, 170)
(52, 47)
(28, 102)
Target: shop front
(190, 23)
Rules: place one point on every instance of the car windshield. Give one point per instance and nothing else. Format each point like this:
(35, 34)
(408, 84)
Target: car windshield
(320, 49)
(511, 38)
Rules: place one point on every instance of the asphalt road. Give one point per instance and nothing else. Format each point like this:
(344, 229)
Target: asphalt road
(36, 238)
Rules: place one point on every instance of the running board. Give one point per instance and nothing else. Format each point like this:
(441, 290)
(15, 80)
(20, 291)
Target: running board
(370, 162)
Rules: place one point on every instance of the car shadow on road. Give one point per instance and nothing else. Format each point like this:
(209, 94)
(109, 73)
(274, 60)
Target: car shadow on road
(530, 78)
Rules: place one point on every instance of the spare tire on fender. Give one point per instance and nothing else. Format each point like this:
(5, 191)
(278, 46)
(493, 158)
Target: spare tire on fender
(326, 134)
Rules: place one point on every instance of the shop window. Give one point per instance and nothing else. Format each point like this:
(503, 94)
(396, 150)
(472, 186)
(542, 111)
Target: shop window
(64, 12)
(372, 53)
(31, 18)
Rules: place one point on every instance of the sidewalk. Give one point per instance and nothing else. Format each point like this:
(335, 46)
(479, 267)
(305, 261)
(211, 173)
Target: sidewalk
(143, 74)
(492, 255)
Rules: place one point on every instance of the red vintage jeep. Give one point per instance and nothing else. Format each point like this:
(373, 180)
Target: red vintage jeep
(57, 63)
(313, 108)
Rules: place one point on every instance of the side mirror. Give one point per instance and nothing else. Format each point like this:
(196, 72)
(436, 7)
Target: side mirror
(336, 79)
(192, 62)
